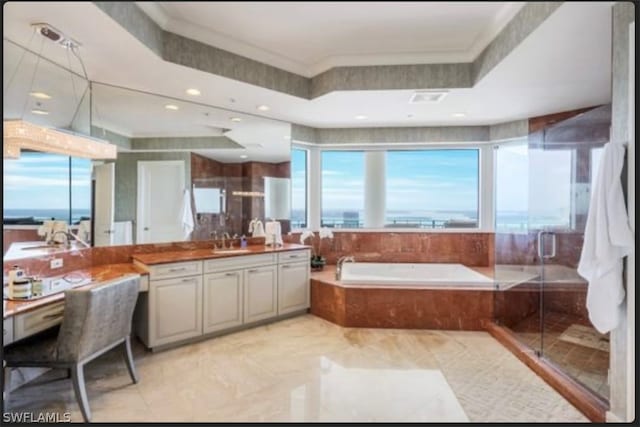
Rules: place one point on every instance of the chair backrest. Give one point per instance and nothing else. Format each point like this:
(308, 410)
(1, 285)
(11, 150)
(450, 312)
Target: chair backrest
(96, 318)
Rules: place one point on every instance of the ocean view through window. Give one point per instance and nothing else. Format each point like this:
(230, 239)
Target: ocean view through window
(432, 188)
(299, 188)
(424, 189)
(41, 186)
(342, 189)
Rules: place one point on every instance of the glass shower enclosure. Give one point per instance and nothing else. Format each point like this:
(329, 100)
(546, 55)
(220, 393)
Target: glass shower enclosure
(543, 184)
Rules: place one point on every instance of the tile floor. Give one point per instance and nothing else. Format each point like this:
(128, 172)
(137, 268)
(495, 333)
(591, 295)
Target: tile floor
(307, 369)
(585, 364)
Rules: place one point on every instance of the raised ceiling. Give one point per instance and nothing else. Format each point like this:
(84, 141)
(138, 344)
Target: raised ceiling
(563, 64)
(309, 38)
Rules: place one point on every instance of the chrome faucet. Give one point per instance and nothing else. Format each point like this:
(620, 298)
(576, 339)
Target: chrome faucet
(341, 261)
(66, 234)
(225, 236)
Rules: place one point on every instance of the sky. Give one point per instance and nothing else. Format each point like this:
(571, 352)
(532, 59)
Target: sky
(41, 181)
(424, 180)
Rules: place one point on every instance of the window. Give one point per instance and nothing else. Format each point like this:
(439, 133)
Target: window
(512, 187)
(432, 188)
(298, 188)
(551, 188)
(342, 189)
(40, 186)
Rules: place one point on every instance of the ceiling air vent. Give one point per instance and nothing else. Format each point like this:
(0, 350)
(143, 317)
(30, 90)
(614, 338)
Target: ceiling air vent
(427, 96)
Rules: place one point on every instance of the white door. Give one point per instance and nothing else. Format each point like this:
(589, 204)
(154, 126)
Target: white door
(160, 191)
(104, 199)
(260, 294)
(222, 301)
(293, 287)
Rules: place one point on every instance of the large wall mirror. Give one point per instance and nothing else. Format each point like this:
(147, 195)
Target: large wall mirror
(176, 159)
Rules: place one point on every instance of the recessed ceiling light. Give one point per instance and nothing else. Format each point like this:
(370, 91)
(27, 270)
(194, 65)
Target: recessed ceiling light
(459, 114)
(243, 156)
(235, 119)
(193, 92)
(40, 112)
(361, 117)
(40, 95)
(263, 107)
(171, 107)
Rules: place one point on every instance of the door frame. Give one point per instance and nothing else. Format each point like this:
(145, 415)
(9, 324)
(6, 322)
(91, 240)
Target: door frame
(141, 164)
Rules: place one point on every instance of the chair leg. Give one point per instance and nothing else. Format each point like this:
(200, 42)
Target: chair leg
(77, 377)
(128, 355)
(7, 385)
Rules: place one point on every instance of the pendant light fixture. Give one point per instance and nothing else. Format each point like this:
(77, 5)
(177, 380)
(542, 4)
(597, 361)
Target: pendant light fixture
(21, 134)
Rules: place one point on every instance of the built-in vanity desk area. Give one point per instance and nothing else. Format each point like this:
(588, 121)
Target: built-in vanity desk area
(188, 295)
(203, 293)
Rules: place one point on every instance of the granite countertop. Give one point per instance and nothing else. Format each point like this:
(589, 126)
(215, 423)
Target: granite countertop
(200, 254)
(97, 274)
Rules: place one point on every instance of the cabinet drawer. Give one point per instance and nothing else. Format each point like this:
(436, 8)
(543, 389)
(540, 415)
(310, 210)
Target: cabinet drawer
(294, 256)
(176, 269)
(241, 261)
(37, 320)
(7, 331)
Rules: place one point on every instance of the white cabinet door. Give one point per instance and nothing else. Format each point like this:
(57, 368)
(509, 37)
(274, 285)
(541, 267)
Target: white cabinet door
(293, 287)
(175, 309)
(222, 300)
(260, 293)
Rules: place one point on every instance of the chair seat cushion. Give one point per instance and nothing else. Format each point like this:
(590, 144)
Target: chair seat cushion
(38, 351)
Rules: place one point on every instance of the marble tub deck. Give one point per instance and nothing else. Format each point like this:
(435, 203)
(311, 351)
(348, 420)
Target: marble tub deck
(308, 369)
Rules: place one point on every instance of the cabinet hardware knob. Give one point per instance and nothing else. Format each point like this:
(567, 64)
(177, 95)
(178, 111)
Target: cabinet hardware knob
(231, 274)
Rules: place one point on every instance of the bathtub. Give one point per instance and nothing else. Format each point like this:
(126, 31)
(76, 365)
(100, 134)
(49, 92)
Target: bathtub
(425, 274)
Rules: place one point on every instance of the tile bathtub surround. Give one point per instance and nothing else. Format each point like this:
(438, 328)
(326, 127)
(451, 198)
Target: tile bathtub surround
(307, 369)
(405, 308)
(470, 249)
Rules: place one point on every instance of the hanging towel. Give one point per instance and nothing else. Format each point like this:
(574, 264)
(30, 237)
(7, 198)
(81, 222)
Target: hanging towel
(273, 233)
(84, 230)
(258, 229)
(122, 233)
(607, 239)
(187, 215)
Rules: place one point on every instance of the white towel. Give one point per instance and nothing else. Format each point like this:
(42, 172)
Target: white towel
(122, 233)
(84, 230)
(187, 215)
(607, 239)
(273, 232)
(258, 229)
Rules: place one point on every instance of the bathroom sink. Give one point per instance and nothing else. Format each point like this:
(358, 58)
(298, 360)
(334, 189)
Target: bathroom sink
(230, 251)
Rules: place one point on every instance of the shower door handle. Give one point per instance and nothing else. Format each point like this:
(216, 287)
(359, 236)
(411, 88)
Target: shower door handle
(541, 254)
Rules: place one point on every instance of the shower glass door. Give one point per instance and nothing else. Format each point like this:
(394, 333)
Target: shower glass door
(563, 158)
(517, 272)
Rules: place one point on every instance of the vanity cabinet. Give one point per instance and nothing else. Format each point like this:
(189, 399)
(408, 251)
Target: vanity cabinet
(176, 307)
(191, 299)
(7, 331)
(293, 287)
(260, 293)
(223, 300)
(174, 303)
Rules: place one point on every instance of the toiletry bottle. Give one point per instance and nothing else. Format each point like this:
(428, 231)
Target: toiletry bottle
(243, 242)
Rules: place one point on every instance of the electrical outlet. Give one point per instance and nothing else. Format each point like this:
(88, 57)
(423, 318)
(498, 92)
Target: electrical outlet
(56, 263)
